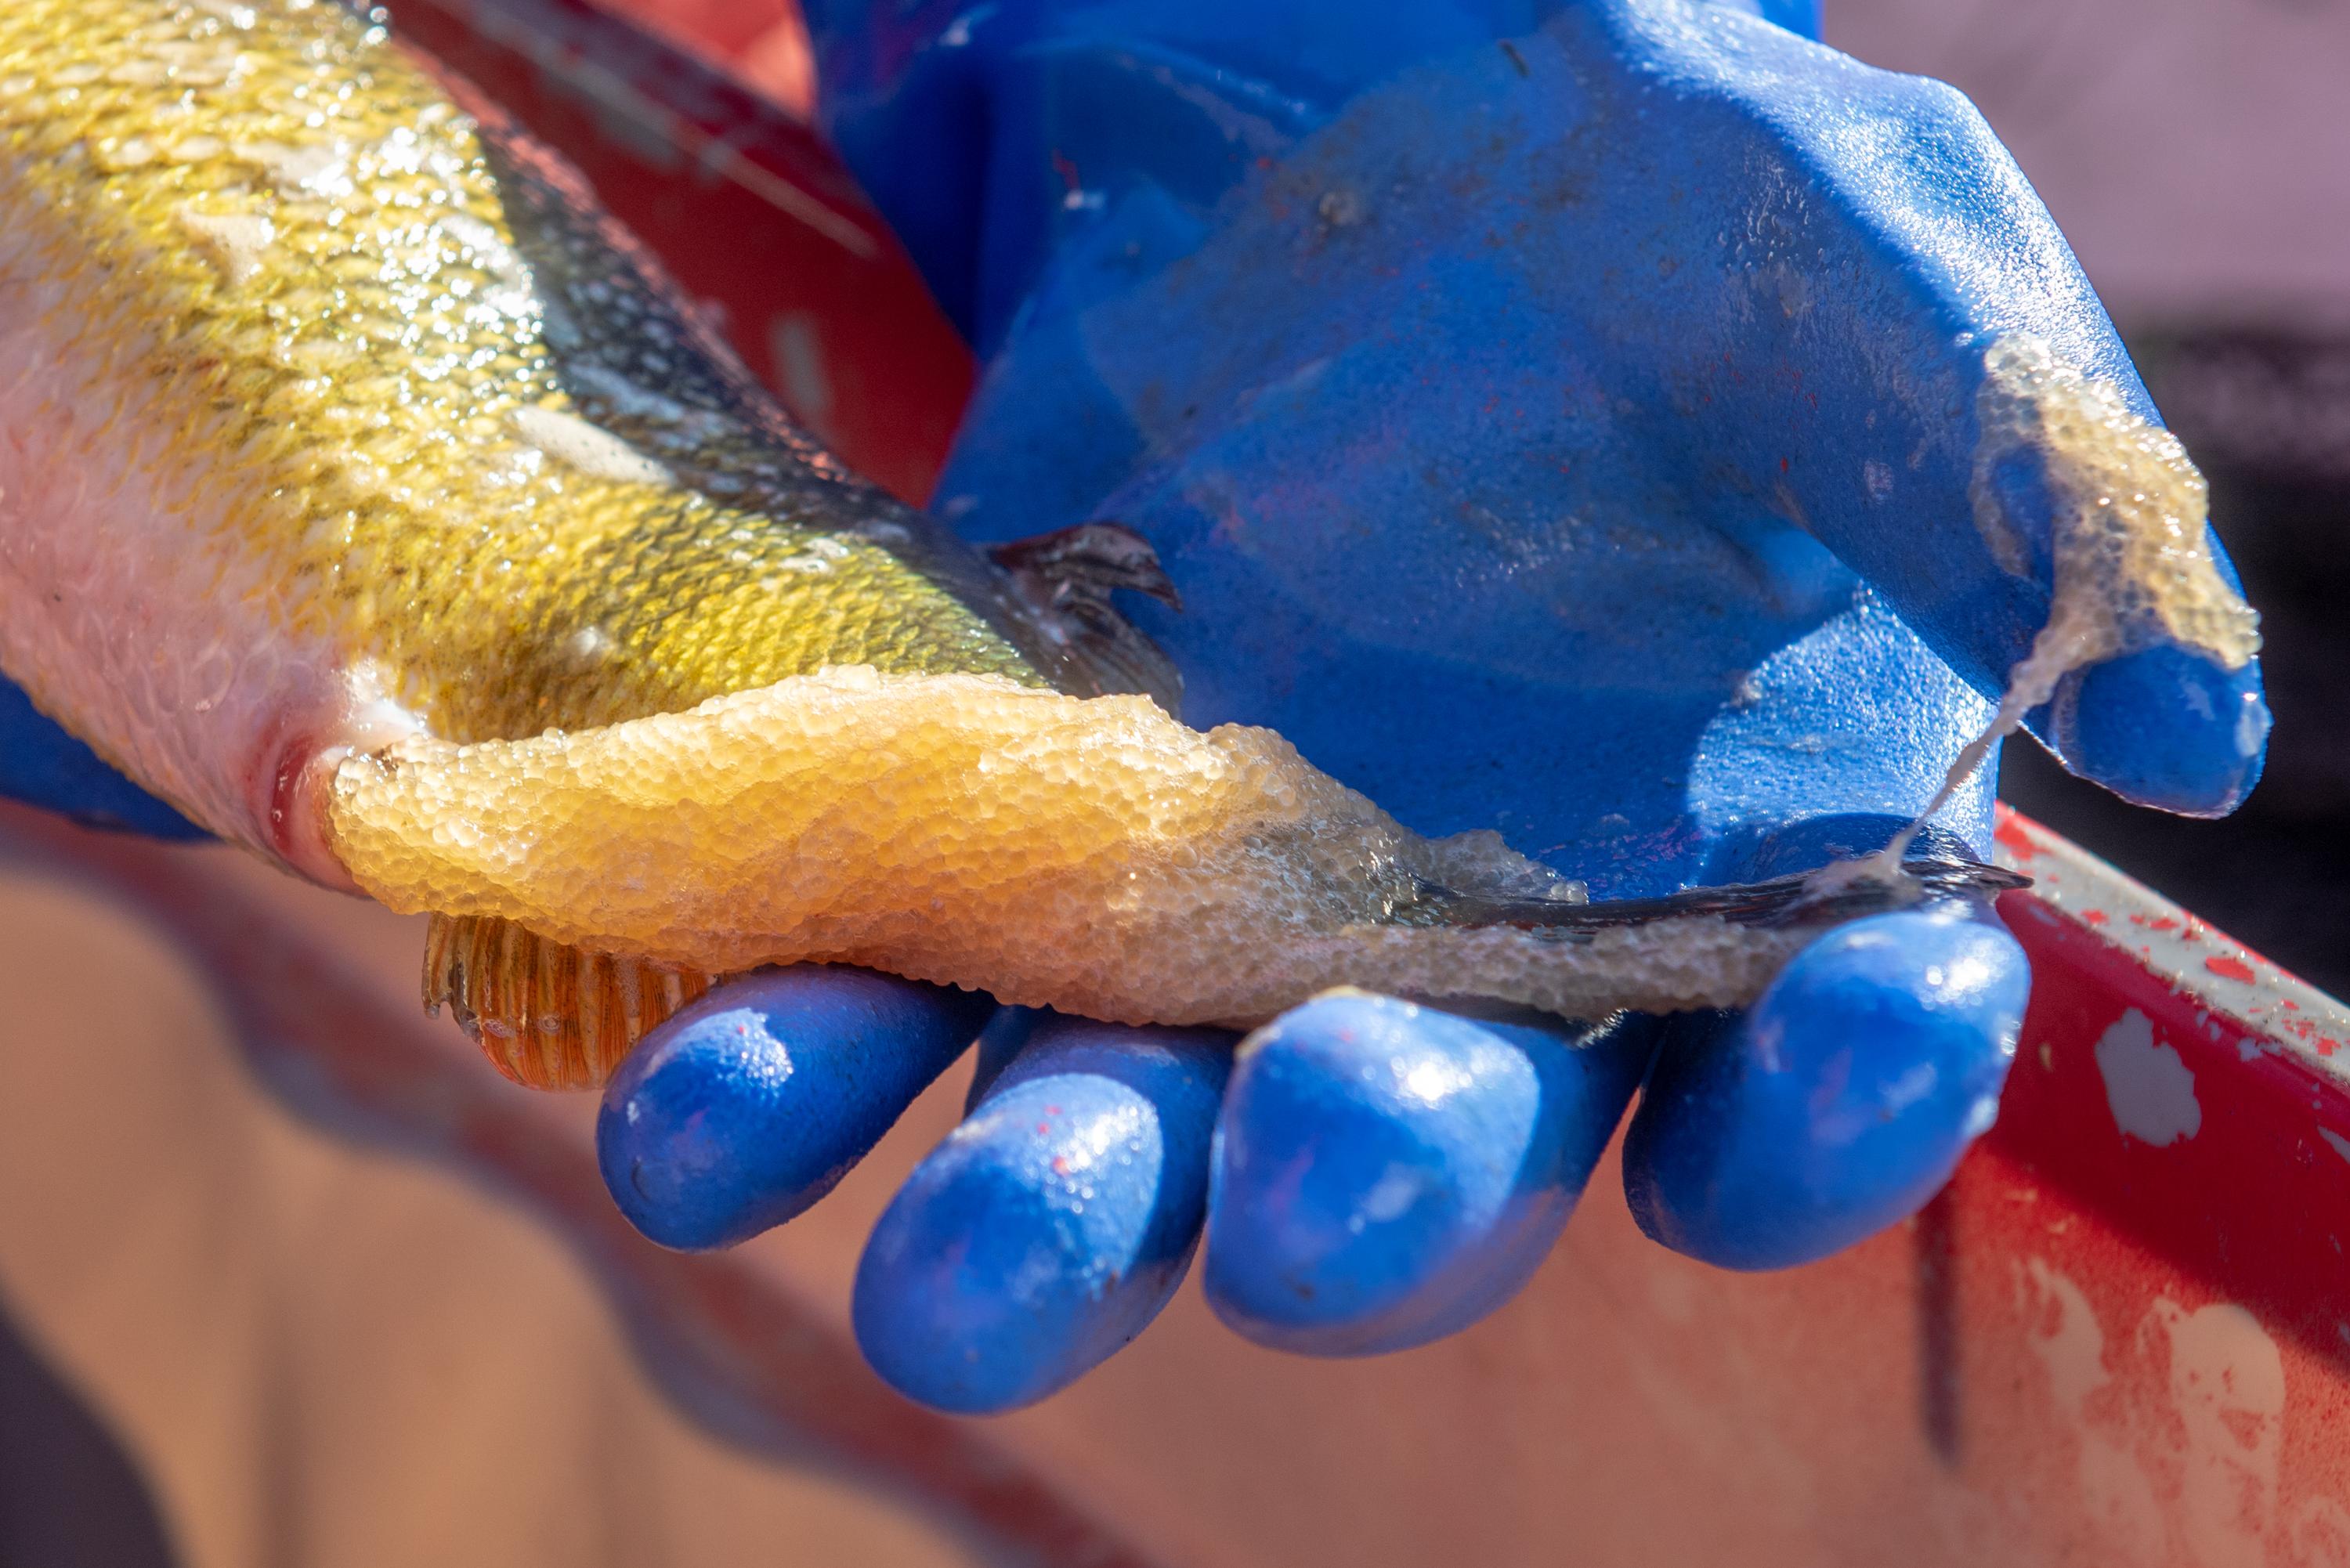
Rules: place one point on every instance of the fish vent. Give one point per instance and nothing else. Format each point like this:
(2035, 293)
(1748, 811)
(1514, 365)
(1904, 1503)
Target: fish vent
(546, 1015)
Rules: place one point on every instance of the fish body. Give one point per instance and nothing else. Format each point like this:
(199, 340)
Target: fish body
(370, 496)
(339, 413)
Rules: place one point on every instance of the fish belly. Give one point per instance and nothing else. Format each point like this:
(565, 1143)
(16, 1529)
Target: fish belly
(133, 605)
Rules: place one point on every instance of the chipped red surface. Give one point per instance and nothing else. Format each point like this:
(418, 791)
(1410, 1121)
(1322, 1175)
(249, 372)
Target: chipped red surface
(2011, 836)
(2208, 1203)
(2151, 1256)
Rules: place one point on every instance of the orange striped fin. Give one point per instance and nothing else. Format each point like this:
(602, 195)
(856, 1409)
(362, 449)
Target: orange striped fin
(547, 1015)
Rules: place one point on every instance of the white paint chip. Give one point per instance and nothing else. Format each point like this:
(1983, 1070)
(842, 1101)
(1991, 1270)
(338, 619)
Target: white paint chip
(800, 375)
(2065, 1334)
(2341, 1145)
(2150, 1091)
(2227, 1380)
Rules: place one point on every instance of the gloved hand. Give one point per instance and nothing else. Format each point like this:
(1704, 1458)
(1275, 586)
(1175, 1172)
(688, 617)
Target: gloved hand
(1571, 435)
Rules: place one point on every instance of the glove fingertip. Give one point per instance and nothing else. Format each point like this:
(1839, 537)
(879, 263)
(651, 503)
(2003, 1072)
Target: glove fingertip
(1836, 1105)
(2167, 727)
(749, 1106)
(1052, 1227)
(1386, 1174)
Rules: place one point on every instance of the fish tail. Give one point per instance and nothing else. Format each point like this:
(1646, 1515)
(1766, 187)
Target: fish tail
(548, 1015)
(1804, 898)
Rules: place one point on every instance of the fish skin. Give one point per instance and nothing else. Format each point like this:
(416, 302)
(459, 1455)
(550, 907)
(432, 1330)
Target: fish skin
(338, 412)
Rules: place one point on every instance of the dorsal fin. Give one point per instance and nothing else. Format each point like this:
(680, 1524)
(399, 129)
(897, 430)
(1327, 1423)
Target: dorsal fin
(1064, 580)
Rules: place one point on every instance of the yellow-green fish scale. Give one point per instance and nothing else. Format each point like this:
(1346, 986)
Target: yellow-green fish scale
(315, 246)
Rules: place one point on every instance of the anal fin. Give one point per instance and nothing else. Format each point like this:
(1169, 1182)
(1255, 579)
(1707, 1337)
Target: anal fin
(547, 1015)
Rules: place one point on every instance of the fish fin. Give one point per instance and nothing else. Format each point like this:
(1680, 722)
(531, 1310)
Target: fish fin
(546, 1015)
(1804, 898)
(1064, 580)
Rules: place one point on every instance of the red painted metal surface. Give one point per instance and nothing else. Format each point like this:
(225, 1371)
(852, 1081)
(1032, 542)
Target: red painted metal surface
(2234, 1057)
(2164, 1205)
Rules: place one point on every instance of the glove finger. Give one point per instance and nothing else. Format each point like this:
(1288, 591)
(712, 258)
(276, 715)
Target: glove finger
(749, 1106)
(1050, 1227)
(1854, 390)
(1839, 1103)
(1386, 1174)
(2166, 726)
(1865, 408)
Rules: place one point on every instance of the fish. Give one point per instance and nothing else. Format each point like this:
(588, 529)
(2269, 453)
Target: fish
(371, 496)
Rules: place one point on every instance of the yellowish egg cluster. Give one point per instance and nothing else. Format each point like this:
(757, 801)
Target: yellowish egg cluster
(1086, 854)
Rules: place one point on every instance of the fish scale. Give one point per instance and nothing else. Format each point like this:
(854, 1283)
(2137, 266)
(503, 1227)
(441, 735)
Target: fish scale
(383, 358)
(459, 403)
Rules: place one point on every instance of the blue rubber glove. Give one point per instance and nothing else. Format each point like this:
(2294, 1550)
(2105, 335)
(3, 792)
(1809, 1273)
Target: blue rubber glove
(1473, 395)
(1569, 434)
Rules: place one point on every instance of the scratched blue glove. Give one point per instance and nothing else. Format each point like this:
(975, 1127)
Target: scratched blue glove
(1570, 434)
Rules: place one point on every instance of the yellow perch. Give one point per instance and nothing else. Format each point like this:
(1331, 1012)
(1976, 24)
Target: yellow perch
(366, 493)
